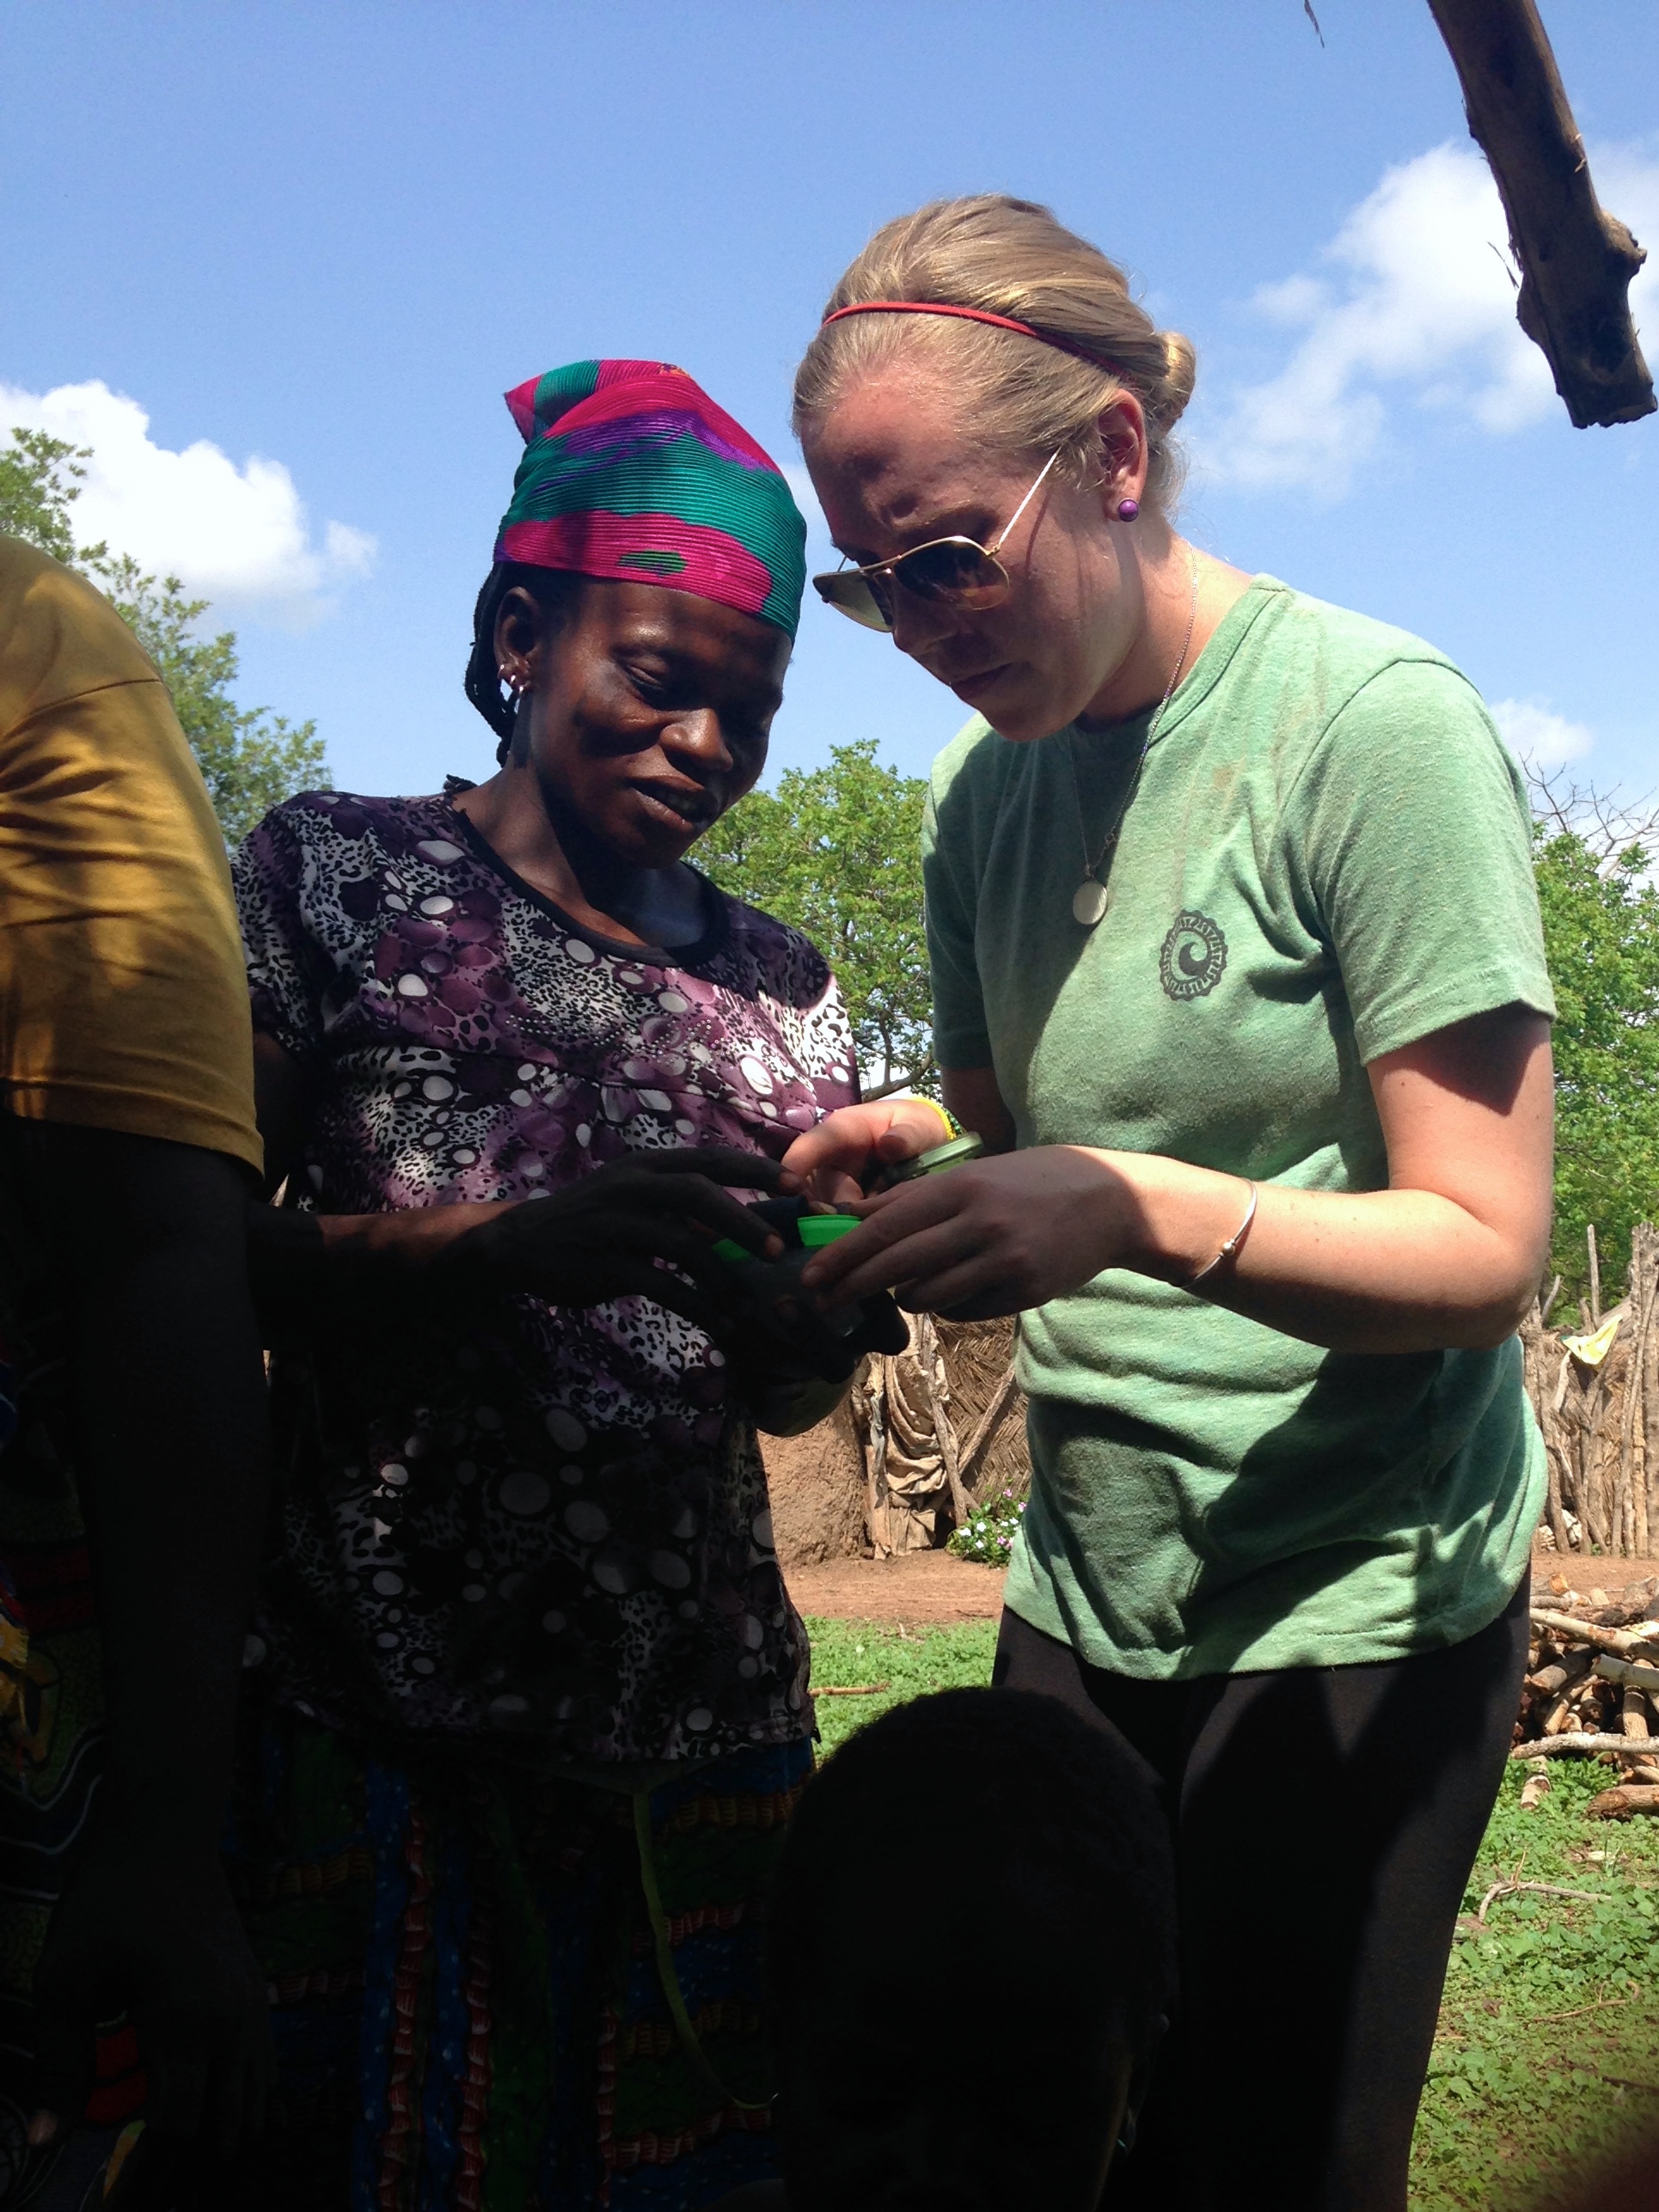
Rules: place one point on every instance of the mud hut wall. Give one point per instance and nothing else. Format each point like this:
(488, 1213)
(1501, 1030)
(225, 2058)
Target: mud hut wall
(817, 1486)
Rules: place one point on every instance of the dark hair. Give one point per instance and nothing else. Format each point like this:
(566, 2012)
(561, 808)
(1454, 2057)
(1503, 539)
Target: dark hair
(553, 591)
(1011, 1794)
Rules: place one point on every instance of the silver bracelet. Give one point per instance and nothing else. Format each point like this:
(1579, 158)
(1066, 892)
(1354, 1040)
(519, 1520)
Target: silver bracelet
(1230, 1248)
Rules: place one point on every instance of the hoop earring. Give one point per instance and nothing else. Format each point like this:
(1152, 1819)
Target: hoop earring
(1128, 510)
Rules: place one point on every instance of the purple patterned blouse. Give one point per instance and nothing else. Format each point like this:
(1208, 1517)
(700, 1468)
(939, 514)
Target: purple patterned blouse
(500, 1517)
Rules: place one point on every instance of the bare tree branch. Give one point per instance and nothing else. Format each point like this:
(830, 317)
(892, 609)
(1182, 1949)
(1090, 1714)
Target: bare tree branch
(1576, 260)
(898, 1082)
(1606, 825)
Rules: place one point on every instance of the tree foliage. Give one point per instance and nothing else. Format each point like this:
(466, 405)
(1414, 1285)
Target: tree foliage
(1601, 935)
(249, 758)
(837, 852)
(39, 476)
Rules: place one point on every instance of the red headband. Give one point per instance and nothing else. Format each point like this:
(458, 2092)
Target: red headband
(973, 315)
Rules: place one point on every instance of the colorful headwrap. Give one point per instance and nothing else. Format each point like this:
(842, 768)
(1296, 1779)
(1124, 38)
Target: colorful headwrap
(631, 471)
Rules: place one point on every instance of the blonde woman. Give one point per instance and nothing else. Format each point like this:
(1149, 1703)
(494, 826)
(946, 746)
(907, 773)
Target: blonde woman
(1238, 970)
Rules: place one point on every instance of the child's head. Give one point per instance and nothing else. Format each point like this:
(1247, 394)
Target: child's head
(971, 1957)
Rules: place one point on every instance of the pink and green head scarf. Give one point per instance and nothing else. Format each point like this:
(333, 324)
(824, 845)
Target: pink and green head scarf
(631, 472)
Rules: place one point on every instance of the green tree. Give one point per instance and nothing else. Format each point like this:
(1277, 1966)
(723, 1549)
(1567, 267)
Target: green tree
(837, 852)
(1601, 936)
(40, 479)
(250, 759)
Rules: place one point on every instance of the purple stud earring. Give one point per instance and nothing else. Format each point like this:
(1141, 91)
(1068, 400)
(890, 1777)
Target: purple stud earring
(1128, 510)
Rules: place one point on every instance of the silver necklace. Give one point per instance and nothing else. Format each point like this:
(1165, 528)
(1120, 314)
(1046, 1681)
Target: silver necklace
(1090, 899)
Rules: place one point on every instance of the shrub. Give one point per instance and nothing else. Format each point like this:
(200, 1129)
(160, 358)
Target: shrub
(988, 1534)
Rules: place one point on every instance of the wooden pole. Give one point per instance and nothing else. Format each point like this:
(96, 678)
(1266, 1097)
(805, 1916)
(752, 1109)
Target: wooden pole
(937, 1386)
(1576, 261)
(1644, 1316)
(1595, 1275)
(876, 1469)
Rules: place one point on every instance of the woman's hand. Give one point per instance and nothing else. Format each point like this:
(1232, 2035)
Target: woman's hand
(603, 1238)
(993, 1237)
(835, 1160)
(1448, 1258)
(143, 1928)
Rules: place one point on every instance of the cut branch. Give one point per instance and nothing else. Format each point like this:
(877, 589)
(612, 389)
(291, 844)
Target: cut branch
(1617, 1643)
(1580, 1743)
(1631, 1672)
(1619, 1803)
(1576, 259)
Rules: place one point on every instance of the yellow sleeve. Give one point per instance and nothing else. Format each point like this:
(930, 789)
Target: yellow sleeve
(123, 997)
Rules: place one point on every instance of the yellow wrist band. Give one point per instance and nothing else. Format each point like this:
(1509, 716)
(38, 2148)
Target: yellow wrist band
(953, 1126)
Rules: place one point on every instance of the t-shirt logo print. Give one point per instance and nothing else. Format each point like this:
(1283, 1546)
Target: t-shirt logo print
(1193, 956)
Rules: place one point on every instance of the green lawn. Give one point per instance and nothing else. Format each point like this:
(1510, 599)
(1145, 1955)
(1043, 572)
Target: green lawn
(910, 1664)
(1548, 2050)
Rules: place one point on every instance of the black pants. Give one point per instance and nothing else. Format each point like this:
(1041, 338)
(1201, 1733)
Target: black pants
(1326, 1820)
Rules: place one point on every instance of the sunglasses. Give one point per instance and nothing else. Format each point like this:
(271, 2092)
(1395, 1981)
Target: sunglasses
(957, 572)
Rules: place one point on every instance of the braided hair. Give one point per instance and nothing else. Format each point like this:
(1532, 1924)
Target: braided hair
(553, 589)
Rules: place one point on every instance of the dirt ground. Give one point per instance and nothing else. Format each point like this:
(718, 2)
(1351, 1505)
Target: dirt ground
(918, 1586)
(928, 1586)
(1586, 1574)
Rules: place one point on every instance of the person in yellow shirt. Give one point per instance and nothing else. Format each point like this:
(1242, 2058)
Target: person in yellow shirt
(132, 1494)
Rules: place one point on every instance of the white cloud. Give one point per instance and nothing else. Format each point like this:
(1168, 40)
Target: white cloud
(1538, 734)
(237, 536)
(1413, 300)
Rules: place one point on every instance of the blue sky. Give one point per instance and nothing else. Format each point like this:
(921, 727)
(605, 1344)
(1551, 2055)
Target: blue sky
(313, 245)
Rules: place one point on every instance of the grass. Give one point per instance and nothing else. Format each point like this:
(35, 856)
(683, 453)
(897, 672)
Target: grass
(1548, 2050)
(1547, 2054)
(910, 1664)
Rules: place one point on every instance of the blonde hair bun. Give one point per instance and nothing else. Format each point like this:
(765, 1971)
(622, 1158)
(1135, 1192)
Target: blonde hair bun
(1169, 402)
(1009, 257)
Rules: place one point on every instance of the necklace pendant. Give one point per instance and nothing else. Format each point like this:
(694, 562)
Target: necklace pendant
(1088, 901)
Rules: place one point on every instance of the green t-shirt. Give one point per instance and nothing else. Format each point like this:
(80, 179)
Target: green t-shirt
(1327, 856)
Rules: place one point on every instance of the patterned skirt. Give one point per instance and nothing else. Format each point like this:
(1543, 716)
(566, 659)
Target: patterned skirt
(493, 1990)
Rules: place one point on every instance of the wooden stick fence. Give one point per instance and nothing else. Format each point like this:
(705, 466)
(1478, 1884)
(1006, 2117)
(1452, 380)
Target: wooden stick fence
(1598, 1405)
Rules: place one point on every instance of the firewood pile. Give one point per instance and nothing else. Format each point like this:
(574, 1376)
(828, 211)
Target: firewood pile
(1592, 1691)
(1595, 1387)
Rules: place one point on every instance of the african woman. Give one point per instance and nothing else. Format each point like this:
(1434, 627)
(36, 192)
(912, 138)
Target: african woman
(527, 1703)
